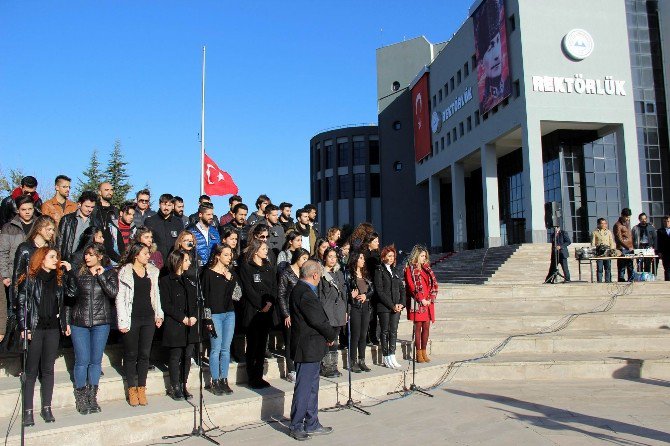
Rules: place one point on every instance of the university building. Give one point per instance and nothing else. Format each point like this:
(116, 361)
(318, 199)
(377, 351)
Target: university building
(529, 102)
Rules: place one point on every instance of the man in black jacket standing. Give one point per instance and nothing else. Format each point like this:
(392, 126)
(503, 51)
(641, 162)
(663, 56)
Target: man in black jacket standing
(165, 225)
(73, 225)
(663, 246)
(311, 334)
(559, 247)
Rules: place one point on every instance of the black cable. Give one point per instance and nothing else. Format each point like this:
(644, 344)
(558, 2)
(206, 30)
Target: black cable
(13, 418)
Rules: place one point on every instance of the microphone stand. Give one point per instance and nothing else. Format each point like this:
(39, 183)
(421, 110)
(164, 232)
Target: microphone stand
(24, 359)
(350, 404)
(553, 278)
(198, 430)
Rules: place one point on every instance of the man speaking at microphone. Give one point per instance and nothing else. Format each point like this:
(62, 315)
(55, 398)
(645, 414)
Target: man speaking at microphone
(311, 334)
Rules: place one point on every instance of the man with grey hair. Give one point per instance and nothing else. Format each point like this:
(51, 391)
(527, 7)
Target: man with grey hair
(311, 334)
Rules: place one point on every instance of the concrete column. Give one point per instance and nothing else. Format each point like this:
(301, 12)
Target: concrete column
(490, 190)
(629, 167)
(435, 216)
(458, 198)
(533, 183)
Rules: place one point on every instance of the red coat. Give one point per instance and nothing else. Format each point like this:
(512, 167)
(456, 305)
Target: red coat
(421, 285)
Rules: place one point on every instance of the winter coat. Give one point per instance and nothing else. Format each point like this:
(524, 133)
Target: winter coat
(30, 293)
(21, 260)
(195, 218)
(203, 246)
(390, 289)
(662, 242)
(67, 229)
(126, 294)
(651, 236)
(93, 299)
(177, 303)
(276, 238)
(139, 218)
(259, 284)
(421, 285)
(622, 235)
(332, 294)
(165, 230)
(101, 216)
(310, 326)
(287, 281)
(353, 285)
(8, 206)
(11, 237)
(53, 209)
(114, 245)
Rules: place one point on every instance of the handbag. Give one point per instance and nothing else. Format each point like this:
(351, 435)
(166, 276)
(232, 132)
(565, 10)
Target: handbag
(237, 293)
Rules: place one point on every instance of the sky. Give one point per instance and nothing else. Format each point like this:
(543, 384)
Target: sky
(77, 75)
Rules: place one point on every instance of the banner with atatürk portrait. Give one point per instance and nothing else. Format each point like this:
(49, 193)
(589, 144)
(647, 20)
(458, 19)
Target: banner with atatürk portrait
(493, 78)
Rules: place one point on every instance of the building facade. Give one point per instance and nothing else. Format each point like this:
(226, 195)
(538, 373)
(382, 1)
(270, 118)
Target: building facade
(345, 180)
(527, 104)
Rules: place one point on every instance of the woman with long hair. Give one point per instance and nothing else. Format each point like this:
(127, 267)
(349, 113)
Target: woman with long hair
(358, 236)
(219, 282)
(42, 297)
(139, 313)
(43, 233)
(333, 297)
(89, 318)
(92, 234)
(179, 332)
(259, 281)
(320, 249)
(293, 242)
(390, 289)
(422, 290)
(287, 280)
(231, 238)
(370, 250)
(144, 236)
(360, 284)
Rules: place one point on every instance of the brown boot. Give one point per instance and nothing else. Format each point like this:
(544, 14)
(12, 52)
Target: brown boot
(132, 396)
(419, 356)
(142, 396)
(425, 356)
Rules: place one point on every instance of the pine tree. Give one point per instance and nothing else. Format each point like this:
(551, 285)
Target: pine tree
(92, 176)
(117, 175)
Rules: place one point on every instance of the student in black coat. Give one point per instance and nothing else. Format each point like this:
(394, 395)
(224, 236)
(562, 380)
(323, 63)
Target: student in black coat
(259, 285)
(311, 335)
(180, 332)
(559, 246)
(390, 289)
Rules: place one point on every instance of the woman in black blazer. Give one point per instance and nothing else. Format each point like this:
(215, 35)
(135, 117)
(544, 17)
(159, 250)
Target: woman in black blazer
(259, 285)
(390, 288)
(180, 333)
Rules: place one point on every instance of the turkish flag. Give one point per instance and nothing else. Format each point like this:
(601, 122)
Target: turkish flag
(215, 180)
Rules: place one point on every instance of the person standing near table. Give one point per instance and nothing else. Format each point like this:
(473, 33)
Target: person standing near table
(644, 236)
(603, 237)
(624, 243)
(663, 246)
(311, 335)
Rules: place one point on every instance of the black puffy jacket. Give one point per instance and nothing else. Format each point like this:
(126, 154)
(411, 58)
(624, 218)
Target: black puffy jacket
(93, 299)
(30, 294)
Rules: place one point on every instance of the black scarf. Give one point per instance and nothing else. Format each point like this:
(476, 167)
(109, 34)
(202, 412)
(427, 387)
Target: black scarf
(303, 232)
(48, 302)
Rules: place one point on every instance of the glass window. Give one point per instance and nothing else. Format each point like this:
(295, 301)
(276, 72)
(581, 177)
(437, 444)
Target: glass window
(359, 153)
(397, 125)
(330, 154)
(344, 183)
(343, 154)
(458, 77)
(374, 151)
(469, 121)
(375, 185)
(359, 186)
(330, 188)
(466, 69)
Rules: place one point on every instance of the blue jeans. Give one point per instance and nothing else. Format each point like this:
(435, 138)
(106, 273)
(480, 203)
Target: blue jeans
(219, 354)
(305, 404)
(607, 266)
(89, 345)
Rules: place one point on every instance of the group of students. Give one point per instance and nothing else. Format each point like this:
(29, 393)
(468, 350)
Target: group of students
(96, 268)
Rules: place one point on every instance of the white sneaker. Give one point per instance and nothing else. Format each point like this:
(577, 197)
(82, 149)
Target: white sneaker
(395, 363)
(385, 360)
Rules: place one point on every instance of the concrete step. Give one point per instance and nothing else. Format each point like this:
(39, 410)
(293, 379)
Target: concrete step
(525, 323)
(120, 424)
(658, 288)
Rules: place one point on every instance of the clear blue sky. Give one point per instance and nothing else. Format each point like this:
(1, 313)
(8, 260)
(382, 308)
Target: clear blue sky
(76, 75)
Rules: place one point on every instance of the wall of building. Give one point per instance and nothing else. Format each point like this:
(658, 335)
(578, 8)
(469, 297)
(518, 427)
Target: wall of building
(664, 19)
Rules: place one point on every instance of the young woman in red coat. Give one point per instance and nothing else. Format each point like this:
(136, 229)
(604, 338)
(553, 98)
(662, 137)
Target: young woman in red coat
(422, 287)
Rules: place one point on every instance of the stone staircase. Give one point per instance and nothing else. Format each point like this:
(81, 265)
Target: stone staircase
(497, 331)
(475, 266)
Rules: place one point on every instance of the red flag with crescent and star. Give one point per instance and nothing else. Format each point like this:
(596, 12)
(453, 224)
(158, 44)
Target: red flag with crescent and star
(215, 180)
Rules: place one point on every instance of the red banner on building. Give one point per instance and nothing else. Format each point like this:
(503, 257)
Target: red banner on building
(420, 105)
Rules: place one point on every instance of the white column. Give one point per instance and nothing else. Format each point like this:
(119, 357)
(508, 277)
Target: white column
(628, 161)
(533, 183)
(435, 214)
(490, 191)
(458, 198)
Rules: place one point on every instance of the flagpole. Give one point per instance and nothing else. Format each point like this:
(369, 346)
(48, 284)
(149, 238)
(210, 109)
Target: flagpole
(202, 128)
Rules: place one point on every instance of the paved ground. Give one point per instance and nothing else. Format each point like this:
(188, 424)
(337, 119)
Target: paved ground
(616, 412)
